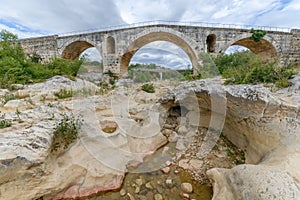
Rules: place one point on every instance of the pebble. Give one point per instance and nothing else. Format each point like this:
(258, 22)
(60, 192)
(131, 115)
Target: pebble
(144, 198)
(158, 197)
(150, 195)
(130, 196)
(169, 182)
(185, 195)
(122, 192)
(149, 186)
(182, 130)
(143, 192)
(139, 182)
(173, 137)
(196, 164)
(160, 189)
(186, 187)
(184, 163)
(166, 170)
(168, 163)
(137, 190)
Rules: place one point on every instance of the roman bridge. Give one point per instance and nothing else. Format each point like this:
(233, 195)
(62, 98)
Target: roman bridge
(118, 44)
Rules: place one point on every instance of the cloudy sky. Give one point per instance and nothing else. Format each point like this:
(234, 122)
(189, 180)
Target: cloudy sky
(43, 17)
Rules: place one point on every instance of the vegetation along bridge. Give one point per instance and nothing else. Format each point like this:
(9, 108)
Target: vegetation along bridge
(118, 44)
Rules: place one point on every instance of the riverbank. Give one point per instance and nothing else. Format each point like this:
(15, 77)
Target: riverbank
(249, 127)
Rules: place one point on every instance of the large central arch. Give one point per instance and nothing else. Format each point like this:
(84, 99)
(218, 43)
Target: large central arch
(152, 37)
(265, 48)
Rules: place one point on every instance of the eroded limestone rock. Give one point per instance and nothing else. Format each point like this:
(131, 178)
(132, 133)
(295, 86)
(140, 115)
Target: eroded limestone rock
(28, 169)
(253, 182)
(264, 124)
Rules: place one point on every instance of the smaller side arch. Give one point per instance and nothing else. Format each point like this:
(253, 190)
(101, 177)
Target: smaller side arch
(110, 45)
(73, 50)
(70, 48)
(211, 43)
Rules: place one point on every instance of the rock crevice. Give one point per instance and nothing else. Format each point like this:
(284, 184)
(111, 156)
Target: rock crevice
(265, 125)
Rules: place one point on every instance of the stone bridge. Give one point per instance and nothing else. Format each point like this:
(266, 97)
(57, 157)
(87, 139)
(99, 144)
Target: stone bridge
(118, 44)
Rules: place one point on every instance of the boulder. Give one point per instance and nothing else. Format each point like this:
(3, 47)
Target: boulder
(253, 182)
(266, 125)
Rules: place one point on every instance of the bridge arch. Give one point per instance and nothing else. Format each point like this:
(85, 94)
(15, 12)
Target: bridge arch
(73, 48)
(211, 43)
(266, 48)
(110, 45)
(165, 34)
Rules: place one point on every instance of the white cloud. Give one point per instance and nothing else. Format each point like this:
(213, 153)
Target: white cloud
(214, 11)
(162, 53)
(287, 17)
(36, 17)
(58, 16)
(144, 10)
(92, 54)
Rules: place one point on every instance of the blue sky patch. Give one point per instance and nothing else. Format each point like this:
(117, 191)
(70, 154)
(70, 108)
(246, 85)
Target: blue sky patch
(21, 28)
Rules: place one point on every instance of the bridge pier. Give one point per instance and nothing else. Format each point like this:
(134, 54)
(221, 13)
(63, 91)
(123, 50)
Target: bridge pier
(111, 63)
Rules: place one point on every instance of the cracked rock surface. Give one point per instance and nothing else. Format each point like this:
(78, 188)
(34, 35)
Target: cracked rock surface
(265, 124)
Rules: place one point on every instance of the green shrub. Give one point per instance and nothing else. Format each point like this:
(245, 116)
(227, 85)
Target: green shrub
(257, 34)
(4, 123)
(248, 68)
(16, 67)
(148, 87)
(189, 75)
(65, 133)
(60, 66)
(282, 83)
(7, 97)
(103, 88)
(64, 93)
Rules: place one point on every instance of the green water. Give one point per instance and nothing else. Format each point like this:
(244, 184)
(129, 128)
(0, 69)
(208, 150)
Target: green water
(154, 183)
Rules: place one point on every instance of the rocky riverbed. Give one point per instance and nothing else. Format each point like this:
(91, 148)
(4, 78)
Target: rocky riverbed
(202, 129)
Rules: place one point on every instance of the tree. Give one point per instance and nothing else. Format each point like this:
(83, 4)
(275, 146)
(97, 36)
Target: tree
(16, 67)
(257, 34)
(9, 46)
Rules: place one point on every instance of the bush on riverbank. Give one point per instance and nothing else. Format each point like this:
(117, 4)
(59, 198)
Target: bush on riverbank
(248, 68)
(18, 68)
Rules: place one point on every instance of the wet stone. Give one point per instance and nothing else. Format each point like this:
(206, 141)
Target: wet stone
(160, 189)
(166, 170)
(143, 192)
(149, 186)
(186, 187)
(185, 195)
(168, 163)
(158, 197)
(137, 190)
(169, 182)
(159, 182)
(122, 192)
(131, 197)
(139, 182)
(150, 195)
(142, 197)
